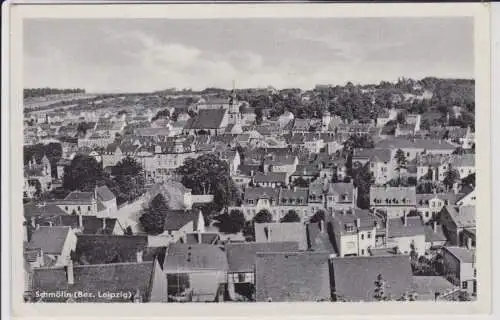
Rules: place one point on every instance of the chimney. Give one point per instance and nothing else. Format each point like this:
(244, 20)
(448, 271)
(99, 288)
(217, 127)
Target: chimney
(70, 272)
(103, 223)
(469, 243)
(138, 255)
(322, 226)
(80, 221)
(199, 236)
(33, 223)
(434, 226)
(358, 222)
(405, 220)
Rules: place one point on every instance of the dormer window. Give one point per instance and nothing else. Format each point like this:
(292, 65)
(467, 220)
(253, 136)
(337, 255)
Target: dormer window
(349, 227)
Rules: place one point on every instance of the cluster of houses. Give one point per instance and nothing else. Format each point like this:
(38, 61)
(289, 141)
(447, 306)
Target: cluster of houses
(336, 252)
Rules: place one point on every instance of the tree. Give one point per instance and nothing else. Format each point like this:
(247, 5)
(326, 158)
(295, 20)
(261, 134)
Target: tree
(128, 231)
(363, 179)
(401, 118)
(208, 174)
(451, 177)
(469, 180)
(318, 216)
(153, 218)
(263, 216)
(258, 116)
(291, 216)
(128, 180)
(161, 114)
(231, 223)
(83, 173)
(301, 183)
(249, 231)
(380, 292)
(401, 161)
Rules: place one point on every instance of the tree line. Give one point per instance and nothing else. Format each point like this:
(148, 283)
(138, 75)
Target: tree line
(41, 92)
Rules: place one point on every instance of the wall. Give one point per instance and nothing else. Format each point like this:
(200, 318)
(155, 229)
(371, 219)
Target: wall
(404, 244)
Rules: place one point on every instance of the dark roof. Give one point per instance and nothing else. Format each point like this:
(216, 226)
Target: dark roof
(189, 257)
(374, 155)
(79, 196)
(50, 239)
(97, 249)
(463, 217)
(427, 286)
(49, 210)
(354, 277)
(292, 276)
(104, 194)
(463, 254)
(92, 279)
(318, 239)
(431, 236)
(208, 119)
(342, 219)
(241, 256)
(91, 224)
(281, 232)
(414, 227)
(257, 193)
(428, 144)
(176, 219)
(270, 177)
(206, 238)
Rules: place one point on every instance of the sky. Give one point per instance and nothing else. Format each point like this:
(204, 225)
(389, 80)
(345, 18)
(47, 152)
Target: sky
(142, 55)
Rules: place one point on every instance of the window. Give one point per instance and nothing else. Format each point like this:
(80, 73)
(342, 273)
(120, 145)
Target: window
(66, 208)
(369, 235)
(362, 252)
(88, 208)
(475, 273)
(362, 236)
(79, 209)
(427, 214)
(464, 285)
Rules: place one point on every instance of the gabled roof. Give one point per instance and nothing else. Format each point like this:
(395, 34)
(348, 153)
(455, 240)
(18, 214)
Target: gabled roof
(463, 217)
(241, 256)
(206, 238)
(257, 193)
(116, 277)
(192, 257)
(318, 239)
(292, 276)
(208, 119)
(341, 219)
(97, 249)
(91, 224)
(463, 254)
(79, 196)
(428, 144)
(50, 239)
(49, 210)
(177, 219)
(281, 232)
(354, 277)
(414, 227)
(374, 155)
(104, 194)
(403, 196)
(341, 189)
(432, 236)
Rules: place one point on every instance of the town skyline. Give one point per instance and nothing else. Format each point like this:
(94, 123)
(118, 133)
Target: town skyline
(118, 56)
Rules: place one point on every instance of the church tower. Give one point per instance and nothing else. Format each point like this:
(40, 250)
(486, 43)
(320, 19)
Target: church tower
(234, 108)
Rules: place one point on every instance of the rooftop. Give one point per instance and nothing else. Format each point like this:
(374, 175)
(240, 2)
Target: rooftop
(241, 256)
(281, 232)
(50, 239)
(189, 257)
(463, 254)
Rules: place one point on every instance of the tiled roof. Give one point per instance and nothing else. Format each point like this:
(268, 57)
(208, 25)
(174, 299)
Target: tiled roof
(427, 286)
(241, 256)
(281, 232)
(206, 238)
(403, 196)
(306, 170)
(116, 277)
(292, 276)
(374, 155)
(463, 254)
(342, 189)
(50, 239)
(319, 240)
(464, 216)
(91, 224)
(176, 219)
(208, 119)
(297, 193)
(79, 196)
(431, 236)
(256, 193)
(342, 219)
(270, 177)
(49, 210)
(354, 277)
(414, 227)
(104, 194)
(188, 257)
(427, 144)
(423, 198)
(97, 249)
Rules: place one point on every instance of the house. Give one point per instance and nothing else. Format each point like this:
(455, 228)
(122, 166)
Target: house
(108, 248)
(78, 202)
(200, 235)
(385, 116)
(241, 259)
(61, 164)
(354, 231)
(130, 282)
(465, 164)
(292, 277)
(459, 266)
(281, 232)
(406, 235)
(393, 201)
(430, 204)
(354, 278)
(178, 223)
(434, 236)
(233, 159)
(212, 121)
(270, 179)
(195, 272)
(307, 172)
(455, 220)
(286, 163)
(381, 163)
(90, 224)
(106, 202)
(318, 238)
(412, 147)
(55, 243)
(341, 195)
(469, 238)
(40, 172)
